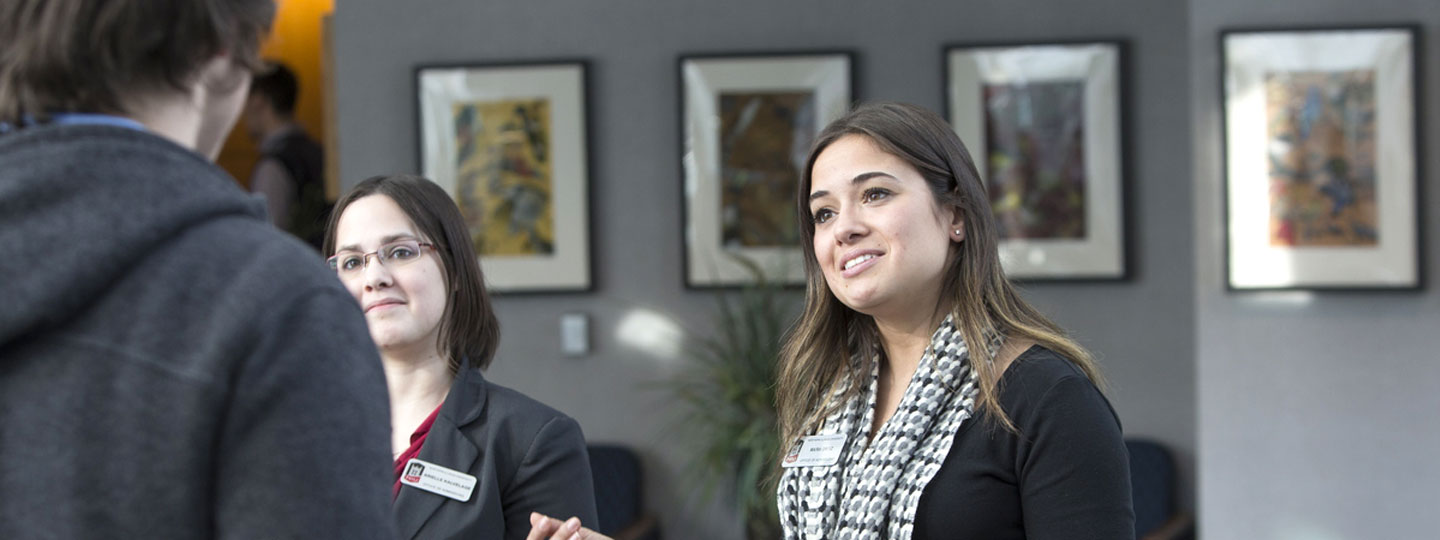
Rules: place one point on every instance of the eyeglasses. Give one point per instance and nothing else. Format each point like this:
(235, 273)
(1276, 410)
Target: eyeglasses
(351, 263)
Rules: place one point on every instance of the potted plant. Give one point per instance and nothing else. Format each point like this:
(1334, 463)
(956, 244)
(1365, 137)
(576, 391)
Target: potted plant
(727, 394)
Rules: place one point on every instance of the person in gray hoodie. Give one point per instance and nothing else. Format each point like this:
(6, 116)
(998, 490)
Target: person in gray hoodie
(171, 366)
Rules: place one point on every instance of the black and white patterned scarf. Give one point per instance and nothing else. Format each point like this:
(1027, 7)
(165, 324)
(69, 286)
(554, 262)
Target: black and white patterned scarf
(872, 491)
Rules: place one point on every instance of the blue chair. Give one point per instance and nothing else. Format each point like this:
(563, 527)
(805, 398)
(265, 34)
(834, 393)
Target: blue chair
(1152, 487)
(620, 508)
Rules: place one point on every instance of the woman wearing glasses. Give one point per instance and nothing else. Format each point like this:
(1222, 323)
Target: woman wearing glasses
(472, 459)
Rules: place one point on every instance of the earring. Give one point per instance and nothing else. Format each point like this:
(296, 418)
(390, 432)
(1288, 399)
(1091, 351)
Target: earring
(957, 231)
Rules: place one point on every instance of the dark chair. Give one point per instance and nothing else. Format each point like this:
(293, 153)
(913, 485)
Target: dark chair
(617, 494)
(1152, 486)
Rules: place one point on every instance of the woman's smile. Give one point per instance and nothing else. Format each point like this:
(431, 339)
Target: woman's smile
(382, 304)
(880, 238)
(860, 261)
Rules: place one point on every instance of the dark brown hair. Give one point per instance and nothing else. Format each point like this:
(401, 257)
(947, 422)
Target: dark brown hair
(278, 85)
(816, 356)
(92, 55)
(469, 331)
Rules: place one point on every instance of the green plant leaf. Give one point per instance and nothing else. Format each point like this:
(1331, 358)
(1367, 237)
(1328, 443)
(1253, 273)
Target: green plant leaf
(726, 395)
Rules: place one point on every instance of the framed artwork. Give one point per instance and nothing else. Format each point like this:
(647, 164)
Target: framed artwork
(1320, 158)
(1044, 124)
(747, 122)
(509, 142)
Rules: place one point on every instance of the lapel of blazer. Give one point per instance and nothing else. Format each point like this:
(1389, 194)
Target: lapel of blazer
(445, 446)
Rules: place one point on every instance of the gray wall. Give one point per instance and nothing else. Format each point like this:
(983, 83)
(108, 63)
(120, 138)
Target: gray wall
(1143, 330)
(1317, 411)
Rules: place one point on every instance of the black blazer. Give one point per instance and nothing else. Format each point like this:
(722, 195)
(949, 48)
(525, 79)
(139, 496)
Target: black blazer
(525, 456)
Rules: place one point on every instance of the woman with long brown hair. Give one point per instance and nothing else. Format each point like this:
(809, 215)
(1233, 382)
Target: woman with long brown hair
(920, 396)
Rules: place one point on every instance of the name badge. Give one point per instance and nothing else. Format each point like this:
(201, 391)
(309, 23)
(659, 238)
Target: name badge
(815, 451)
(439, 480)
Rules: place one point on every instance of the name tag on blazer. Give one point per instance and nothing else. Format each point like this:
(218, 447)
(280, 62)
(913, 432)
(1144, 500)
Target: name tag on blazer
(815, 451)
(438, 480)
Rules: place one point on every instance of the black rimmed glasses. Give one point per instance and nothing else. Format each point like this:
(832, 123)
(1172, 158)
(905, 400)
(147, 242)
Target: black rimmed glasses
(399, 253)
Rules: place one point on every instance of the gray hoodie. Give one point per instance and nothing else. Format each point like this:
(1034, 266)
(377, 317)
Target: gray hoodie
(170, 365)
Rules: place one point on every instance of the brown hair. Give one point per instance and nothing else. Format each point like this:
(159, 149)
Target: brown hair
(92, 55)
(277, 84)
(817, 355)
(469, 331)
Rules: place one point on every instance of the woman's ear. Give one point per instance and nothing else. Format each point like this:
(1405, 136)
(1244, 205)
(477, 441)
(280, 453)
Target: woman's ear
(957, 225)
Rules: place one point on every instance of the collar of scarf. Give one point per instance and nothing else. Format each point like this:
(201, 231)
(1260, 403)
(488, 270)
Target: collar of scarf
(872, 491)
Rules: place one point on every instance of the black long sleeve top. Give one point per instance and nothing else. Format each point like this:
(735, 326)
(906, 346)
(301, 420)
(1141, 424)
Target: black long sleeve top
(1065, 476)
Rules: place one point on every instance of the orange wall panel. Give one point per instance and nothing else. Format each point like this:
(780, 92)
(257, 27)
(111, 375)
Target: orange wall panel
(298, 40)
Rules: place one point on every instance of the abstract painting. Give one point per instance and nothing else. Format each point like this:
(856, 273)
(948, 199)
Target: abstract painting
(764, 140)
(1035, 139)
(747, 124)
(1043, 122)
(504, 185)
(510, 143)
(1321, 141)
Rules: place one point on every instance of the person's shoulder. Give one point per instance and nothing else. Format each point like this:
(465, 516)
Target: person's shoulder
(247, 266)
(519, 408)
(518, 426)
(292, 137)
(1042, 382)
(1041, 365)
(1035, 375)
(266, 251)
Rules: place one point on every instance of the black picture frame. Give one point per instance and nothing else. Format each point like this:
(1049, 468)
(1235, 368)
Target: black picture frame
(540, 149)
(1078, 151)
(1322, 176)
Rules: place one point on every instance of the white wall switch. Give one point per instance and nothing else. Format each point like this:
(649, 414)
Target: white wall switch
(574, 334)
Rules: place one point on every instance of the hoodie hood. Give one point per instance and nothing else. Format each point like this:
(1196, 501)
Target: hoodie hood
(81, 205)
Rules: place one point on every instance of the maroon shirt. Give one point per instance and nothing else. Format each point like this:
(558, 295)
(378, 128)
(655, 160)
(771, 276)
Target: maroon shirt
(417, 440)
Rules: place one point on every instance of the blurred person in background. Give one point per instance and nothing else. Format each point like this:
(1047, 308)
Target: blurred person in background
(291, 170)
